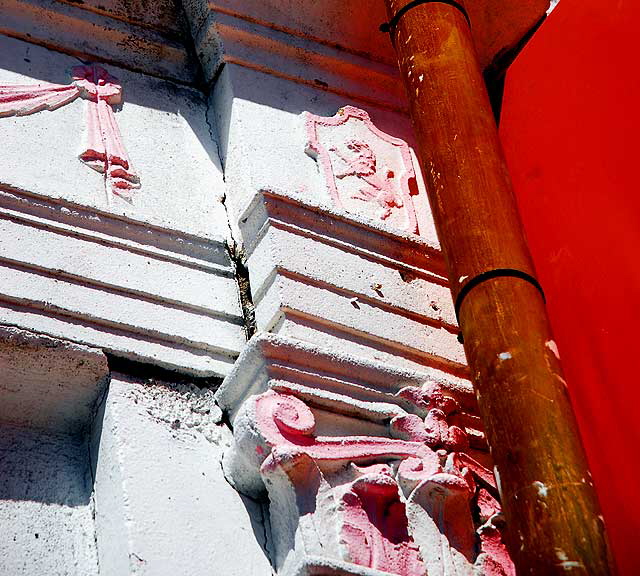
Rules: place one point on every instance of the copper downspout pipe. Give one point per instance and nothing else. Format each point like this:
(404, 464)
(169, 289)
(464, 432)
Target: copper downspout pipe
(553, 519)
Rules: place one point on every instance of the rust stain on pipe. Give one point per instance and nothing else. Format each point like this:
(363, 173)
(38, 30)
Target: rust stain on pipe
(553, 518)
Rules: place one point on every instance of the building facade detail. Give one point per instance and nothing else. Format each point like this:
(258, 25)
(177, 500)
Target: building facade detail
(401, 496)
(103, 149)
(366, 171)
(250, 364)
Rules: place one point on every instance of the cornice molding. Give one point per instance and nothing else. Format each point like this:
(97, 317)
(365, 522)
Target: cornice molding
(89, 34)
(224, 38)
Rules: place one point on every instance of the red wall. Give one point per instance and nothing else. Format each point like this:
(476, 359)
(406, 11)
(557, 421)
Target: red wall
(570, 127)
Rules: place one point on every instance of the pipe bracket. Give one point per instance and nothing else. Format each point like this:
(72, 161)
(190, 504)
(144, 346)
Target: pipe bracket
(390, 26)
(491, 274)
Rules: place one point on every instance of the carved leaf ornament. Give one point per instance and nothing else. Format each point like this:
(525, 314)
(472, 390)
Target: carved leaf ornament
(103, 149)
(411, 504)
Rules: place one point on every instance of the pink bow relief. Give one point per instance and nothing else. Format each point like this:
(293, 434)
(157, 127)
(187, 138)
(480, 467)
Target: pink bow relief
(103, 149)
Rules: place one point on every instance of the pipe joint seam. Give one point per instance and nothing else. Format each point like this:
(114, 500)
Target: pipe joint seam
(490, 275)
(391, 25)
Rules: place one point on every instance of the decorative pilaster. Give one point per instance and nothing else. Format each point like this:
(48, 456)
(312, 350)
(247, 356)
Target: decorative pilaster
(367, 469)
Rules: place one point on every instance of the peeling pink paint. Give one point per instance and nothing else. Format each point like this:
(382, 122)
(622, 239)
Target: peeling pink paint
(23, 99)
(434, 430)
(377, 185)
(366, 171)
(494, 558)
(286, 423)
(375, 529)
(422, 466)
(104, 150)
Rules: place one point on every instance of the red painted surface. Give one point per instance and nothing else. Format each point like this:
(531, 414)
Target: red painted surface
(570, 126)
(375, 529)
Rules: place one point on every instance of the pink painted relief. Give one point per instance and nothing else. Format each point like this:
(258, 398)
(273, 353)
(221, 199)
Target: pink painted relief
(422, 467)
(103, 149)
(367, 172)
(287, 426)
(375, 528)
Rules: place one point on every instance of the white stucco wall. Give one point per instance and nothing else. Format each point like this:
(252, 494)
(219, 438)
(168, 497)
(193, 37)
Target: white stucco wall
(46, 504)
(163, 506)
(149, 279)
(122, 319)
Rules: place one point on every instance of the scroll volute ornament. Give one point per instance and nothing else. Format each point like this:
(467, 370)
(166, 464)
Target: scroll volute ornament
(401, 504)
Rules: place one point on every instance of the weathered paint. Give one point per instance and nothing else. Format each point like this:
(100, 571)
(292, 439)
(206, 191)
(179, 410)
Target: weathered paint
(400, 496)
(360, 162)
(569, 126)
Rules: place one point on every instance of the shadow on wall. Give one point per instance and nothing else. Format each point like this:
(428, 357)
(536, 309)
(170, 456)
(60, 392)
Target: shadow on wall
(42, 466)
(39, 65)
(258, 512)
(46, 506)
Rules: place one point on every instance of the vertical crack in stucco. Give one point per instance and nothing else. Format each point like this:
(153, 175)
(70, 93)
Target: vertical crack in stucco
(265, 522)
(257, 508)
(95, 412)
(244, 288)
(234, 250)
(94, 524)
(92, 499)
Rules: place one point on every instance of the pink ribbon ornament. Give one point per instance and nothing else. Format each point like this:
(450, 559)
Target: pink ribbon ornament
(103, 149)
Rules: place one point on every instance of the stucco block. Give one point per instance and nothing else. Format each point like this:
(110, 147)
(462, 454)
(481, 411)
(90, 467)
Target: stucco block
(262, 136)
(163, 506)
(137, 291)
(144, 35)
(149, 277)
(164, 130)
(268, 38)
(49, 389)
(341, 281)
(311, 426)
(322, 22)
(283, 363)
(47, 383)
